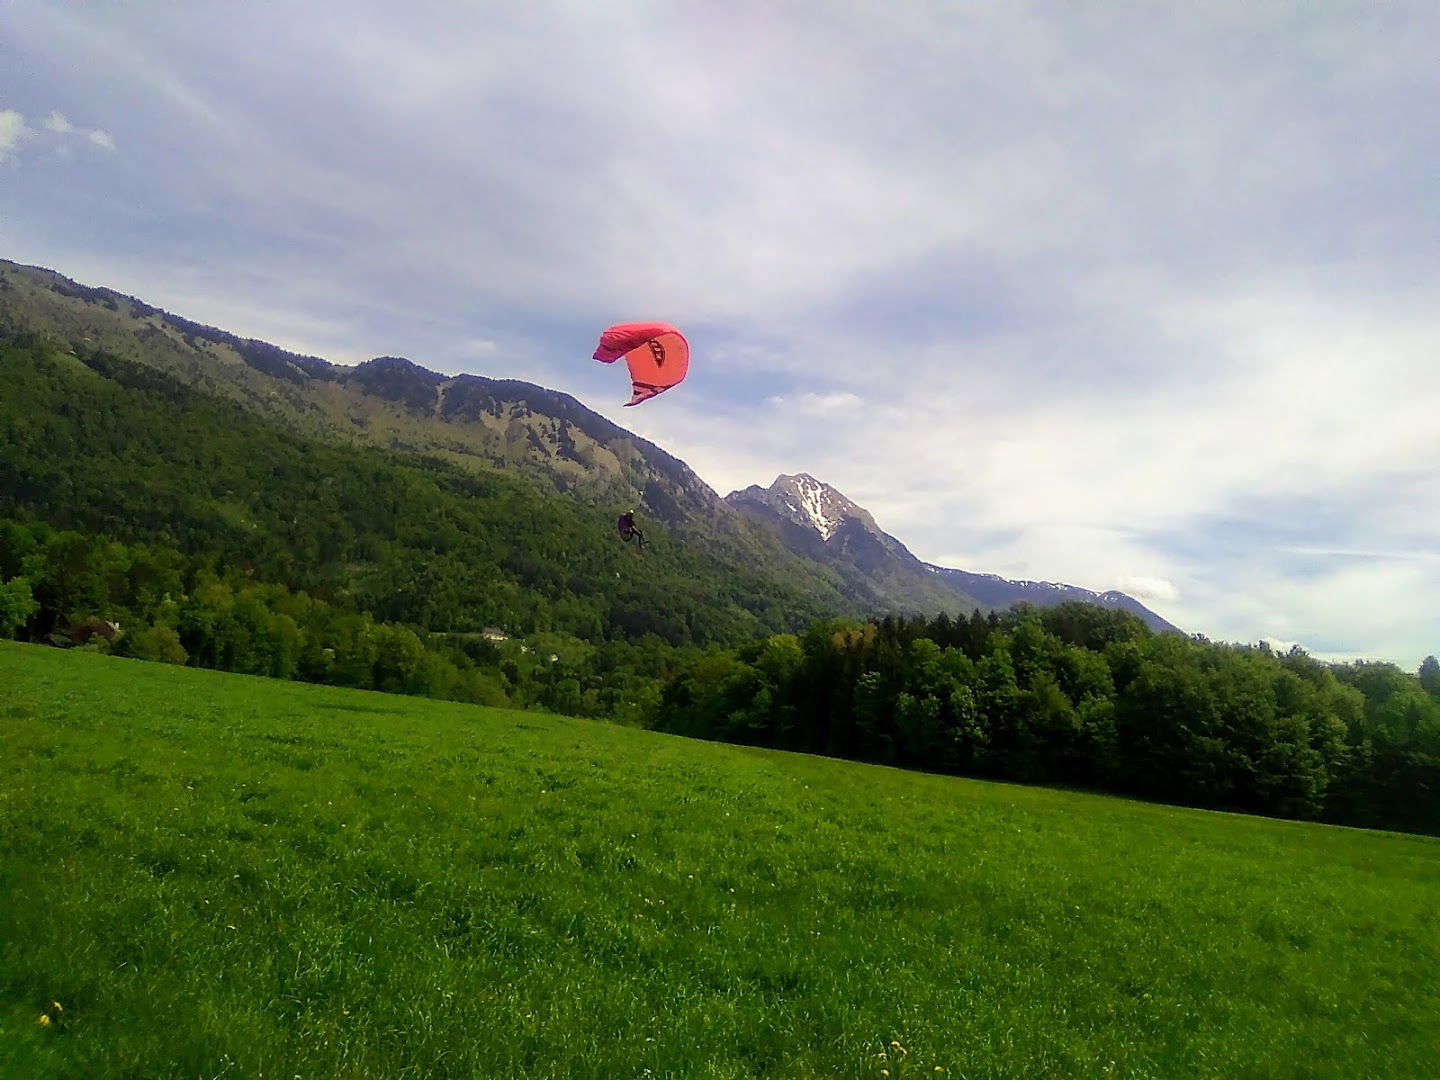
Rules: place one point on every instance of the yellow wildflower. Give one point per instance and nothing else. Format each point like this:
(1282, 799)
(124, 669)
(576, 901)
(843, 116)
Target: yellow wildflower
(43, 1020)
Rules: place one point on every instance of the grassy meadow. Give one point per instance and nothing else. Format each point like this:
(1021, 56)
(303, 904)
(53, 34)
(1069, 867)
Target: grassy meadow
(222, 876)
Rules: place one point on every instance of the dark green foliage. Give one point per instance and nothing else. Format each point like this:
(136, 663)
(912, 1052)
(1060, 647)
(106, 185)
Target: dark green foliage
(105, 447)
(17, 605)
(180, 610)
(1082, 695)
(1429, 675)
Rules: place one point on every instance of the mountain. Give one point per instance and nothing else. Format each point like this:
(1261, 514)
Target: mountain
(801, 534)
(816, 520)
(997, 592)
(160, 492)
(391, 403)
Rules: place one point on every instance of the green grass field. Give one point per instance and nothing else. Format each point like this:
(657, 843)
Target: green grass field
(216, 875)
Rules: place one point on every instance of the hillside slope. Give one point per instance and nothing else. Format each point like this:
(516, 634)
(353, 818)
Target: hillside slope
(111, 447)
(214, 872)
(395, 405)
(547, 437)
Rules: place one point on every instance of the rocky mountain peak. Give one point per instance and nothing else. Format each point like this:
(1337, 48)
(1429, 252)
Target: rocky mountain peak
(805, 501)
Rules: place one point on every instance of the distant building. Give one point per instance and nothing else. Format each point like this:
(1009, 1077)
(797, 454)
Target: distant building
(494, 633)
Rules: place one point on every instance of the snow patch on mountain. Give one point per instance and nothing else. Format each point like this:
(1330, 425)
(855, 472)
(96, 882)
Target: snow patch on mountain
(813, 504)
(802, 499)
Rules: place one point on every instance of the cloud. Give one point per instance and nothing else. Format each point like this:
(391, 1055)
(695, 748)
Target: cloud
(832, 405)
(12, 131)
(1424, 555)
(1351, 610)
(1279, 645)
(1149, 588)
(1050, 304)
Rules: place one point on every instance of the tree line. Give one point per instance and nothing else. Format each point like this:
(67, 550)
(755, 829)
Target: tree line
(1074, 694)
(56, 586)
(1086, 696)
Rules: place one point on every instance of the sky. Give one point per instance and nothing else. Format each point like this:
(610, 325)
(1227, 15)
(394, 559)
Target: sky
(1125, 295)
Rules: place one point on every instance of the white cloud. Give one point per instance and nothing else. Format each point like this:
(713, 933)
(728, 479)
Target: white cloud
(1353, 610)
(1307, 397)
(1279, 645)
(1420, 555)
(12, 131)
(829, 405)
(1143, 587)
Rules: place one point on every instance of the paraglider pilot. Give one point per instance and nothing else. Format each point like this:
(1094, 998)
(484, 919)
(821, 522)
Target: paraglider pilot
(625, 523)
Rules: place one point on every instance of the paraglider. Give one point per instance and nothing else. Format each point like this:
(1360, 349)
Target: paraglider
(625, 525)
(656, 353)
(658, 357)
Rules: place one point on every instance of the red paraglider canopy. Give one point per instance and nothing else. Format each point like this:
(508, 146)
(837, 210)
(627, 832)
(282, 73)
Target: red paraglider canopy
(658, 356)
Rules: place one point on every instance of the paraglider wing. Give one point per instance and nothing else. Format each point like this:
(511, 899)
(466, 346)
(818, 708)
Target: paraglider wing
(656, 353)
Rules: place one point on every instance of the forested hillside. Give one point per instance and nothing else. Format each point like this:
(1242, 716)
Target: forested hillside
(215, 539)
(481, 425)
(104, 446)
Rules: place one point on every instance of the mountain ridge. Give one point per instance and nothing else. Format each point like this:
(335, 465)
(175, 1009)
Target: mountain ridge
(825, 524)
(828, 543)
(815, 520)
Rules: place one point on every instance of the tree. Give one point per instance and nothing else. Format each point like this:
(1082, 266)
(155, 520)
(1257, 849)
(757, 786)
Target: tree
(159, 642)
(1430, 676)
(17, 605)
(997, 699)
